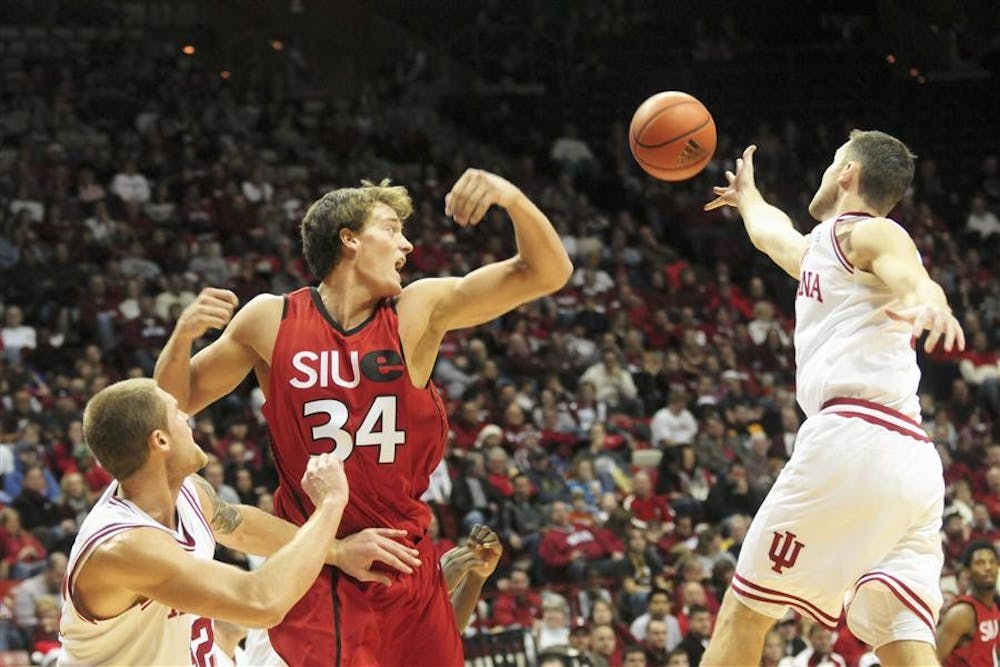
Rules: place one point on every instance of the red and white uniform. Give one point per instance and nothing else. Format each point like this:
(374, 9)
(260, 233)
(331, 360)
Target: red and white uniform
(149, 633)
(853, 520)
(349, 392)
(983, 647)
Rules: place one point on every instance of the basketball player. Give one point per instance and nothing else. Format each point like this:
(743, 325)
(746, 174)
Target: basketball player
(970, 630)
(141, 587)
(346, 368)
(857, 509)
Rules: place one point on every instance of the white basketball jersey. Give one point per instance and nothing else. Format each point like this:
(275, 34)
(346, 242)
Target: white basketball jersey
(846, 346)
(149, 633)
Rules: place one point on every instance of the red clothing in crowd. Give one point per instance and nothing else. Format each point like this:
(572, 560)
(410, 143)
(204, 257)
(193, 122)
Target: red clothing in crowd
(517, 609)
(646, 509)
(593, 542)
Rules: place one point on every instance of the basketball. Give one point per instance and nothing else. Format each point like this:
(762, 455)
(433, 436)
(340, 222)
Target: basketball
(672, 136)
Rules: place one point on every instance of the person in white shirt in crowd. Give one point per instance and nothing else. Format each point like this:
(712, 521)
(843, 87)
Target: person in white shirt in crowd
(673, 424)
(981, 220)
(16, 335)
(129, 185)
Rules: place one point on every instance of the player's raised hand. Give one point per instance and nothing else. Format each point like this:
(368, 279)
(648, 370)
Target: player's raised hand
(739, 183)
(457, 563)
(324, 479)
(357, 554)
(936, 321)
(211, 310)
(474, 193)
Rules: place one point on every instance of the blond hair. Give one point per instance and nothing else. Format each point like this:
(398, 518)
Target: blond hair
(117, 423)
(345, 208)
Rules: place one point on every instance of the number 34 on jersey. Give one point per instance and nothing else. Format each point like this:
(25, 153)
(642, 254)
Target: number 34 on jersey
(377, 429)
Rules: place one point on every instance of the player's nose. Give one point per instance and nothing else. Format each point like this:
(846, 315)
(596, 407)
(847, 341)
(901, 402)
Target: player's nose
(406, 246)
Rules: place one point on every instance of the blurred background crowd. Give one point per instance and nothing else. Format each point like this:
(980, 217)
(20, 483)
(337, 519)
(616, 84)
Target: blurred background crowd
(618, 435)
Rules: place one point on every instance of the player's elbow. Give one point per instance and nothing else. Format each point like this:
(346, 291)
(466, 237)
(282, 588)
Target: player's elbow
(553, 277)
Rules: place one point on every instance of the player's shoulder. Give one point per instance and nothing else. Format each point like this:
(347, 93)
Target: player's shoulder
(134, 545)
(262, 309)
(961, 611)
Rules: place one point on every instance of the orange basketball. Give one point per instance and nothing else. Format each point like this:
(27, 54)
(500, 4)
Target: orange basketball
(672, 136)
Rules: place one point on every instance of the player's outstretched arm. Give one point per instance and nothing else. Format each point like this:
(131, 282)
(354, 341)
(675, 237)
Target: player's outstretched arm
(884, 248)
(250, 530)
(150, 564)
(958, 622)
(541, 265)
(769, 228)
(466, 569)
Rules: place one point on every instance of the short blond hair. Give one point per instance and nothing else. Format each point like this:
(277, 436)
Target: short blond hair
(345, 208)
(117, 423)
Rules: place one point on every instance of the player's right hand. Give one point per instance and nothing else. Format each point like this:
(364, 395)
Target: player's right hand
(324, 479)
(740, 183)
(211, 310)
(937, 321)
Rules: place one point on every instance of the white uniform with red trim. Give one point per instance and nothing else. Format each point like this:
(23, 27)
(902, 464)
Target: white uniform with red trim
(853, 520)
(149, 633)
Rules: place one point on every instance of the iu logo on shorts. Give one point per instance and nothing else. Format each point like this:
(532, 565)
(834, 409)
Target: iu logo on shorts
(784, 550)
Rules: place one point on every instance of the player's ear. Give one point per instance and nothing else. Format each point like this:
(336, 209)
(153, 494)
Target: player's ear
(849, 172)
(349, 238)
(158, 439)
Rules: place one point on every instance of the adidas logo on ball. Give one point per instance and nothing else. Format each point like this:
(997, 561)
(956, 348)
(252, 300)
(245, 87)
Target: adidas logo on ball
(692, 151)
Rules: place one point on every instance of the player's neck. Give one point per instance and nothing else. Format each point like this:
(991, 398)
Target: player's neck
(347, 301)
(851, 202)
(986, 597)
(154, 494)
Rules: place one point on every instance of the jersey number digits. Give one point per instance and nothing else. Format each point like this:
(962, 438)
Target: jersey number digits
(202, 641)
(381, 414)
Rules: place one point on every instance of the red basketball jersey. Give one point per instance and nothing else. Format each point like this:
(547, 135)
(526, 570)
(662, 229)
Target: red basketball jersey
(983, 649)
(349, 392)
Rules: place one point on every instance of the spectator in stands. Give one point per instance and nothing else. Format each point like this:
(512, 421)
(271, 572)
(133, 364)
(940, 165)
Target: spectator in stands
(22, 554)
(604, 645)
(646, 505)
(980, 367)
(129, 185)
(17, 337)
(731, 495)
(472, 496)
(657, 643)
(612, 383)
(521, 519)
(678, 658)
(566, 549)
(48, 583)
(820, 650)
(634, 656)
(214, 474)
(673, 424)
(641, 572)
(518, 605)
(554, 628)
(658, 609)
(549, 485)
(789, 629)
(981, 221)
(774, 651)
(699, 631)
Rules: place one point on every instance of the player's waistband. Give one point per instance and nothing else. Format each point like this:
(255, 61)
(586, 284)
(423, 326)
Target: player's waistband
(873, 413)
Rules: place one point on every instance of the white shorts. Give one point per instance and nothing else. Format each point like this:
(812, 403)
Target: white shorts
(853, 522)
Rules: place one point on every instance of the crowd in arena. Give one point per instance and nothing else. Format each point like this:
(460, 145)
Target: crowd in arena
(618, 435)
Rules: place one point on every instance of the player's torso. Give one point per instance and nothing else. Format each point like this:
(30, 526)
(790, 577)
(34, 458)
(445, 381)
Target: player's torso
(349, 392)
(845, 343)
(983, 645)
(147, 633)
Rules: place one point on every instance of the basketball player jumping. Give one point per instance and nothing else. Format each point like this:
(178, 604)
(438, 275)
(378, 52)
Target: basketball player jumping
(857, 509)
(970, 630)
(141, 587)
(346, 368)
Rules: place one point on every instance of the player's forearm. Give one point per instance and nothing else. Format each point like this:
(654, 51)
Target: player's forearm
(921, 291)
(764, 223)
(465, 598)
(173, 369)
(539, 247)
(262, 534)
(291, 570)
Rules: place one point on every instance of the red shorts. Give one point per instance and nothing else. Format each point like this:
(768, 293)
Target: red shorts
(340, 622)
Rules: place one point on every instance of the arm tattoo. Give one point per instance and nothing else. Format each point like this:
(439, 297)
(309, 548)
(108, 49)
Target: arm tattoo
(226, 518)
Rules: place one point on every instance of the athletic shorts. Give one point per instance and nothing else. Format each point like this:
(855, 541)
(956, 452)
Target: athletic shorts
(343, 623)
(852, 522)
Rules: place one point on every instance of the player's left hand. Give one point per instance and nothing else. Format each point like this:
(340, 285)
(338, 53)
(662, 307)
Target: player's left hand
(356, 554)
(474, 193)
(486, 545)
(937, 321)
